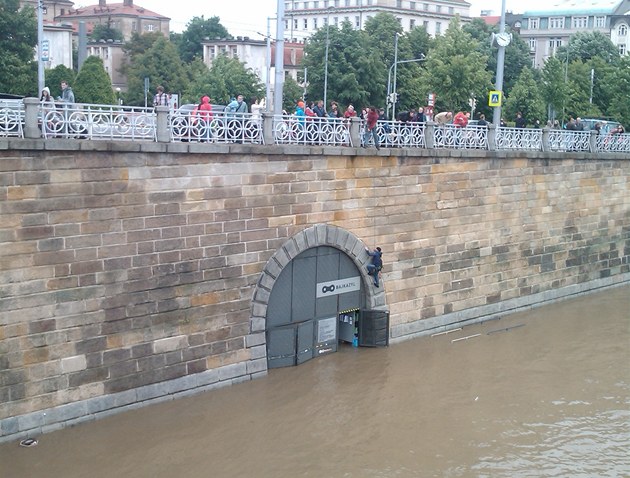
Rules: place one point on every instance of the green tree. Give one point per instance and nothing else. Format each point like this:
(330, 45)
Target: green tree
(104, 31)
(291, 93)
(579, 90)
(162, 65)
(456, 70)
(226, 78)
(18, 37)
(55, 76)
(93, 84)
(616, 84)
(526, 98)
(554, 90)
(586, 45)
(197, 30)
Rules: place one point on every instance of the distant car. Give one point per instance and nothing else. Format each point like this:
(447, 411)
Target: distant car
(607, 125)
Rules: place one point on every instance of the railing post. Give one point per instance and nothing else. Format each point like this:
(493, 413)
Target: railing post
(493, 131)
(429, 135)
(267, 126)
(31, 127)
(593, 140)
(355, 131)
(545, 139)
(163, 133)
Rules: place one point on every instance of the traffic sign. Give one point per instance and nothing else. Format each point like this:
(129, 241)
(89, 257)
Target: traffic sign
(495, 98)
(45, 56)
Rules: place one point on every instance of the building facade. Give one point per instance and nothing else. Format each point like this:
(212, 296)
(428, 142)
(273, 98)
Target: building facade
(546, 30)
(303, 18)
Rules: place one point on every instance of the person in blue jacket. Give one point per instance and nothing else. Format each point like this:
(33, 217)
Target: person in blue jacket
(377, 263)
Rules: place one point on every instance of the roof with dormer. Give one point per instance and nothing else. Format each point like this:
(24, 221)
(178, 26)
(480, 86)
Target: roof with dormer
(574, 7)
(114, 9)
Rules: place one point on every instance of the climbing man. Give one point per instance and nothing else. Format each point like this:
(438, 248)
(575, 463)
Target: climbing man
(377, 263)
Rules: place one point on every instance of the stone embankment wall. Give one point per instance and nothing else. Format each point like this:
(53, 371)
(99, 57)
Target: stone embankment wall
(127, 271)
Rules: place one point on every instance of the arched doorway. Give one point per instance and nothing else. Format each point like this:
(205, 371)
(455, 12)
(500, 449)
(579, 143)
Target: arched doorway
(313, 294)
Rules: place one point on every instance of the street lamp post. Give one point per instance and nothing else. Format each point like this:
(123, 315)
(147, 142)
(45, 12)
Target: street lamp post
(326, 56)
(395, 71)
(496, 118)
(41, 81)
(279, 86)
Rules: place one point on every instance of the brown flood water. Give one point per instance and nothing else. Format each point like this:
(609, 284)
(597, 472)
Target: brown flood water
(550, 398)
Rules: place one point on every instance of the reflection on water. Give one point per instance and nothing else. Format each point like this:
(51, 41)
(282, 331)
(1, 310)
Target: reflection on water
(550, 398)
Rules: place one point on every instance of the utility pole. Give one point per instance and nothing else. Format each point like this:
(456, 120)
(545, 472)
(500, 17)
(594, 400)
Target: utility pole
(395, 71)
(41, 80)
(496, 118)
(279, 85)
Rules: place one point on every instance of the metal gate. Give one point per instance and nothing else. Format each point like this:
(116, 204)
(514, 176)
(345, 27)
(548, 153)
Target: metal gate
(302, 313)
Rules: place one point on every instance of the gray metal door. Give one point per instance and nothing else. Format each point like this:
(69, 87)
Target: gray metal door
(297, 313)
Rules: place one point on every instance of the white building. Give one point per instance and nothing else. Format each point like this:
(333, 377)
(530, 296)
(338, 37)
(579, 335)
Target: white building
(547, 29)
(303, 18)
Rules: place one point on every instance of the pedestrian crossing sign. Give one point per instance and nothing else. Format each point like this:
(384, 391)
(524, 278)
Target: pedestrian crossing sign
(494, 98)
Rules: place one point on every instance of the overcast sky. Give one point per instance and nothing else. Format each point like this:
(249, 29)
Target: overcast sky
(249, 17)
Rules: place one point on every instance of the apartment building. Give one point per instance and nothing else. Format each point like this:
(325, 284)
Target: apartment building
(545, 30)
(303, 18)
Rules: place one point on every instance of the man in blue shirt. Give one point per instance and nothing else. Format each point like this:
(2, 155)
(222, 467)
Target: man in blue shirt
(377, 263)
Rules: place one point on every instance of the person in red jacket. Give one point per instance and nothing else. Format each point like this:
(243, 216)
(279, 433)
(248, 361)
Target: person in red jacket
(370, 127)
(461, 119)
(203, 117)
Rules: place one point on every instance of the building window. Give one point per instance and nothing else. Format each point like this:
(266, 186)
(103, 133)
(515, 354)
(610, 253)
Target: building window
(347, 3)
(346, 19)
(315, 24)
(45, 10)
(150, 27)
(306, 24)
(532, 44)
(438, 28)
(336, 21)
(438, 8)
(412, 5)
(286, 24)
(425, 24)
(399, 3)
(315, 4)
(622, 31)
(287, 5)
(554, 44)
(426, 7)
(600, 22)
(337, 3)
(295, 23)
(556, 23)
(234, 52)
(357, 22)
(451, 10)
(622, 49)
(134, 27)
(579, 22)
(533, 23)
(412, 24)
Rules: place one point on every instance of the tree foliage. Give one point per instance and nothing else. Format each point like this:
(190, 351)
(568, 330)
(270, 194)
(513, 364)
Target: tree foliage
(162, 65)
(104, 31)
(197, 30)
(18, 37)
(291, 94)
(227, 78)
(586, 45)
(554, 89)
(92, 84)
(525, 97)
(456, 70)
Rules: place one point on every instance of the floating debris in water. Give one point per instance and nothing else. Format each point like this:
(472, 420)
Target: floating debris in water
(507, 329)
(28, 442)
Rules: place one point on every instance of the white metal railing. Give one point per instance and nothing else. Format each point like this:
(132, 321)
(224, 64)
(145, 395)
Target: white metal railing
(520, 139)
(396, 134)
(291, 129)
(222, 127)
(613, 143)
(454, 137)
(87, 121)
(12, 118)
(562, 140)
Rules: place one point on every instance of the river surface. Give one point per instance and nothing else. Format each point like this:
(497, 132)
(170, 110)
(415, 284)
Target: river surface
(548, 397)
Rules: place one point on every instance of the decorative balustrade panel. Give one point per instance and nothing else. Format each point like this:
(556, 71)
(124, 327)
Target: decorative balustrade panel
(452, 137)
(563, 140)
(83, 121)
(216, 128)
(395, 134)
(12, 118)
(613, 143)
(520, 139)
(289, 129)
